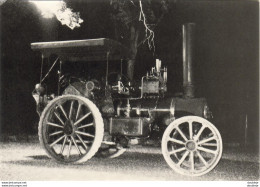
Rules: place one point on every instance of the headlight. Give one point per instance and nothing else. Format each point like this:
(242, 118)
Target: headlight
(39, 89)
(90, 85)
(172, 108)
(206, 112)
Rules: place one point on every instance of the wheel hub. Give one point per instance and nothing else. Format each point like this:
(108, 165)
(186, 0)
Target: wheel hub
(191, 145)
(68, 127)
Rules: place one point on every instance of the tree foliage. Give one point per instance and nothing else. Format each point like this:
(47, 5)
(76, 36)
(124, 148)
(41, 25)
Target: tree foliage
(135, 22)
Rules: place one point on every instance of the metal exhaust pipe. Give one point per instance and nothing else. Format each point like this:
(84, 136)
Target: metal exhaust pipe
(188, 33)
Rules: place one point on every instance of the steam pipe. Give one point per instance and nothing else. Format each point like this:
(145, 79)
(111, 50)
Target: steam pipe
(188, 32)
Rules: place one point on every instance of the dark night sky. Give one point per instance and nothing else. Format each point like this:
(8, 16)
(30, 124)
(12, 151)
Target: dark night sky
(226, 58)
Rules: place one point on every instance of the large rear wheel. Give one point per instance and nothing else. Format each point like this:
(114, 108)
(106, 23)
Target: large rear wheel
(71, 129)
(192, 146)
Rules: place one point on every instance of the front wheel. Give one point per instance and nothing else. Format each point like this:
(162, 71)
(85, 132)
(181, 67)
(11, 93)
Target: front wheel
(71, 129)
(192, 146)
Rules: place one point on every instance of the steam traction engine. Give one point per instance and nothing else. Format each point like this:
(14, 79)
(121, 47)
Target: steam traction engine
(95, 116)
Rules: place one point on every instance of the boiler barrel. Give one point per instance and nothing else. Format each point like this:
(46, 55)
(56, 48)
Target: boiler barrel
(186, 106)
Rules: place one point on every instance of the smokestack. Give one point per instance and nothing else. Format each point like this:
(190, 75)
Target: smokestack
(188, 33)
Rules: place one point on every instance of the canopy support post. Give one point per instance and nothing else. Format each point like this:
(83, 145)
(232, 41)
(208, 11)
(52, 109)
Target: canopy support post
(107, 68)
(121, 67)
(41, 68)
(59, 77)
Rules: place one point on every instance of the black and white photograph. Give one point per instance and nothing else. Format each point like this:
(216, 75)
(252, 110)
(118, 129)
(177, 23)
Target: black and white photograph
(129, 90)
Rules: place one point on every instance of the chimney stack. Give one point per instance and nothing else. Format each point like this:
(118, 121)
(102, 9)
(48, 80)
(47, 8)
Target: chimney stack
(188, 34)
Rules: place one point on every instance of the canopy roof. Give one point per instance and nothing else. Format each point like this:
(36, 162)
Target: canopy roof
(83, 50)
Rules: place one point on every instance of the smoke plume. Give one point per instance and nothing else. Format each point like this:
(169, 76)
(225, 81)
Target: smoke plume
(59, 9)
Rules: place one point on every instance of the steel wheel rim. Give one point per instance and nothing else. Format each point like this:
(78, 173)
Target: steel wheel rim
(192, 152)
(69, 129)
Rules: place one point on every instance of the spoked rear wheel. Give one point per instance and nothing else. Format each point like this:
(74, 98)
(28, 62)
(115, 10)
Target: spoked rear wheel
(192, 146)
(71, 129)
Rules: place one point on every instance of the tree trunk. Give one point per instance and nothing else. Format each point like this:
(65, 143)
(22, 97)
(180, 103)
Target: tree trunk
(130, 68)
(133, 43)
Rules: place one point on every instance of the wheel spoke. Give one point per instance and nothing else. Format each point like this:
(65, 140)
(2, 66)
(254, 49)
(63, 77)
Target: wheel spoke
(63, 145)
(76, 145)
(209, 144)
(176, 141)
(70, 143)
(183, 158)
(177, 150)
(63, 111)
(192, 160)
(81, 119)
(85, 141)
(54, 125)
(55, 133)
(58, 117)
(202, 159)
(181, 133)
(85, 134)
(87, 125)
(71, 108)
(82, 141)
(207, 150)
(108, 143)
(55, 142)
(206, 140)
(190, 130)
(78, 111)
(199, 133)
